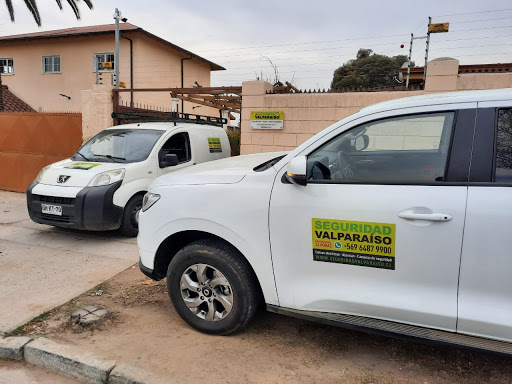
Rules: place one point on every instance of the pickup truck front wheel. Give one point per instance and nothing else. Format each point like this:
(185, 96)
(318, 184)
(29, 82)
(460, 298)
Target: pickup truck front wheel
(212, 288)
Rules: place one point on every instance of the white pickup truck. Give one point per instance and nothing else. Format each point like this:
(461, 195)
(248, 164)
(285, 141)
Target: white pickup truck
(397, 220)
(102, 185)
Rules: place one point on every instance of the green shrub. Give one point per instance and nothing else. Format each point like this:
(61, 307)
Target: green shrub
(234, 141)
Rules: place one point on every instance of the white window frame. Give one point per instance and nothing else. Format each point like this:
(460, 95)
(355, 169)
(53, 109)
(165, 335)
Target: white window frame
(8, 58)
(43, 69)
(95, 63)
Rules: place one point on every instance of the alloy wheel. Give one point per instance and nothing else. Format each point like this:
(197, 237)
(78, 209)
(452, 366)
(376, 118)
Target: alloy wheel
(206, 292)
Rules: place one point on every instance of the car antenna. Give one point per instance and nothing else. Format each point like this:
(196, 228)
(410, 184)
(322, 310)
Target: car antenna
(174, 115)
(174, 109)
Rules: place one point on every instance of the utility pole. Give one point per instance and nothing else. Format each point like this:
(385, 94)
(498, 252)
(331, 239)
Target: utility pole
(117, 17)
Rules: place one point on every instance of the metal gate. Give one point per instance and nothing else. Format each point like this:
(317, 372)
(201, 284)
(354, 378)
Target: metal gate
(30, 141)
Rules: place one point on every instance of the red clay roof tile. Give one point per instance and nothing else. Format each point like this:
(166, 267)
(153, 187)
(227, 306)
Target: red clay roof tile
(13, 103)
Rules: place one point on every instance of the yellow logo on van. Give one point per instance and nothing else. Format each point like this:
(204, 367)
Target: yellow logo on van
(84, 166)
(214, 144)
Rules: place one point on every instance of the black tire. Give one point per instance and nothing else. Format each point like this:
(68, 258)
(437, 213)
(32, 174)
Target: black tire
(129, 224)
(245, 293)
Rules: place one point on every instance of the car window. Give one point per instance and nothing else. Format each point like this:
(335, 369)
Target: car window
(408, 149)
(179, 145)
(119, 145)
(504, 146)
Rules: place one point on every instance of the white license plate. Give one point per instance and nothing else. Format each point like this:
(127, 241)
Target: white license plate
(52, 209)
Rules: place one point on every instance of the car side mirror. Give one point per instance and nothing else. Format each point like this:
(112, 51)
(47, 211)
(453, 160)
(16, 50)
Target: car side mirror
(296, 170)
(361, 142)
(169, 160)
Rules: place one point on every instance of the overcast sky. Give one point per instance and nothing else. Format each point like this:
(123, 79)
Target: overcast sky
(305, 40)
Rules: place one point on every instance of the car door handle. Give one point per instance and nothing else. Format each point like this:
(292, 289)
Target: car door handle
(425, 216)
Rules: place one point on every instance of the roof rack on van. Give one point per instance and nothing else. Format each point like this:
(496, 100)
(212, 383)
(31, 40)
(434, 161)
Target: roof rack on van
(173, 117)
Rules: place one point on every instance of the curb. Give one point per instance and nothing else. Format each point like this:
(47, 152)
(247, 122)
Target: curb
(12, 347)
(128, 374)
(68, 361)
(74, 362)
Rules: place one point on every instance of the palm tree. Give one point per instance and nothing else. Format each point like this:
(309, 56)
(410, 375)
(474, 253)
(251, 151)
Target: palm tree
(32, 7)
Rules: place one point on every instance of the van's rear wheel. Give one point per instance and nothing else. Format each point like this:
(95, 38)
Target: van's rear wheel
(212, 288)
(130, 223)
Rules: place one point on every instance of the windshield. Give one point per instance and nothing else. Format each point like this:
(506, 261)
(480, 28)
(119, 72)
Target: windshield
(119, 146)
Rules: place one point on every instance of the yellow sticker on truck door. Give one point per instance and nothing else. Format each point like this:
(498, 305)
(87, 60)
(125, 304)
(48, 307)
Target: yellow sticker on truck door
(359, 243)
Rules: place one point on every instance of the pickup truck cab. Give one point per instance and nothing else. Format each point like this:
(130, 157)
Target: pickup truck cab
(102, 185)
(396, 220)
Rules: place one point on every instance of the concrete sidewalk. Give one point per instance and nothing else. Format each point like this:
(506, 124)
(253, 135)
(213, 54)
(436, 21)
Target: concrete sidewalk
(22, 373)
(42, 267)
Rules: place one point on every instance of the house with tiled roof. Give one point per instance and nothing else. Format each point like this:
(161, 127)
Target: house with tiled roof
(12, 103)
(50, 69)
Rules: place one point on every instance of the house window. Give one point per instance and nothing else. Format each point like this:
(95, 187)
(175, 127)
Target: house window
(51, 64)
(100, 58)
(7, 66)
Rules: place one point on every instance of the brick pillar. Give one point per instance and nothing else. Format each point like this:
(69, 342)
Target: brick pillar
(442, 75)
(253, 99)
(96, 104)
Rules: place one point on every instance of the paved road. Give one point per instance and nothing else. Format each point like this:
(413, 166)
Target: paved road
(42, 267)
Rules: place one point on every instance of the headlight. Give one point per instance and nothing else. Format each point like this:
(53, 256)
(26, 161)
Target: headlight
(149, 200)
(106, 178)
(41, 173)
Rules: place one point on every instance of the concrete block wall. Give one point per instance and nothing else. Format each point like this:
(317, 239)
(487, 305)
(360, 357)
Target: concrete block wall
(468, 81)
(400, 134)
(97, 107)
(442, 76)
(304, 114)
(307, 114)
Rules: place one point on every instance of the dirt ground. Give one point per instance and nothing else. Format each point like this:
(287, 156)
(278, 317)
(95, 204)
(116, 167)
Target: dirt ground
(144, 330)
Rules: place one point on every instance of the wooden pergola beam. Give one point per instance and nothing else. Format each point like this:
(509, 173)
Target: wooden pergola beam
(225, 106)
(199, 92)
(209, 90)
(207, 97)
(290, 85)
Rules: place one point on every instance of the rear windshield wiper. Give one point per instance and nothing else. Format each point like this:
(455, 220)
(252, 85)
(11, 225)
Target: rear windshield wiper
(113, 158)
(82, 156)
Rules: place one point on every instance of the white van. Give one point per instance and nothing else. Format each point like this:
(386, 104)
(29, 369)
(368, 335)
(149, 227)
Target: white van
(101, 187)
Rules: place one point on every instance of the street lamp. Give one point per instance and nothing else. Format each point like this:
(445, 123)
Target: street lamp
(117, 17)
